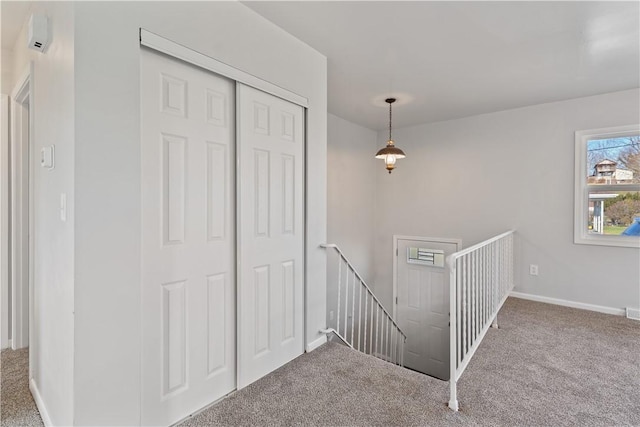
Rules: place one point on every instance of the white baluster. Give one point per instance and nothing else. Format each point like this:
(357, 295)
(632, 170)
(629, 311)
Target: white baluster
(353, 308)
(464, 306)
(485, 287)
(346, 302)
(339, 286)
(456, 277)
(382, 324)
(359, 314)
(371, 325)
(377, 328)
(389, 338)
(366, 299)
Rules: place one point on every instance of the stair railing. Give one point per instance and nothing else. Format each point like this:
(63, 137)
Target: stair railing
(361, 321)
(481, 279)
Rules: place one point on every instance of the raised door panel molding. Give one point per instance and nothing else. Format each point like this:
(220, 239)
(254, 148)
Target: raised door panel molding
(261, 121)
(173, 99)
(216, 108)
(288, 194)
(288, 126)
(288, 300)
(174, 188)
(262, 192)
(262, 295)
(217, 289)
(217, 184)
(174, 338)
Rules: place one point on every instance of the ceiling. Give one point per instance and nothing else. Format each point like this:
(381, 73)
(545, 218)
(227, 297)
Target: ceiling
(14, 15)
(446, 60)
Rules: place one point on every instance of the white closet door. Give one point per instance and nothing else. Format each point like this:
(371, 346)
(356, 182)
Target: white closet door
(188, 232)
(271, 235)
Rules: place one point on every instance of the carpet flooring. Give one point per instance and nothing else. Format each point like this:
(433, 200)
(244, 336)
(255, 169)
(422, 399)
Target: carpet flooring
(545, 366)
(17, 407)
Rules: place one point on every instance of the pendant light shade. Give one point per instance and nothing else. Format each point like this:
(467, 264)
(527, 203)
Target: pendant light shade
(390, 153)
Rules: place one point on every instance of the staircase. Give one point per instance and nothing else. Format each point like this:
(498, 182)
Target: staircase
(481, 279)
(357, 318)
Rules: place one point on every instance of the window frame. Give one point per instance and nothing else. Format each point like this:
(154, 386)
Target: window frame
(581, 192)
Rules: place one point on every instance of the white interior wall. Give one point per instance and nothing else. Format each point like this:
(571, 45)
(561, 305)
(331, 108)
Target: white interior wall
(108, 222)
(351, 191)
(475, 177)
(53, 266)
(6, 86)
(350, 198)
(6, 71)
(5, 289)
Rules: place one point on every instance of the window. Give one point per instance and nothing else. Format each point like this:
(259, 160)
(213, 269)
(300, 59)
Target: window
(607, 187)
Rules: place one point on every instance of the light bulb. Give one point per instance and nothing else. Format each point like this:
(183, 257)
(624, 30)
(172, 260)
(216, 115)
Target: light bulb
(390, 159)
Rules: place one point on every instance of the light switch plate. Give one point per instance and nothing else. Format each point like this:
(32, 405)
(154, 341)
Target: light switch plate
(47, 157)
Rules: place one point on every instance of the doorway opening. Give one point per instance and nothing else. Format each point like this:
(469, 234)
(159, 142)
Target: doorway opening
(5, 191)
(20, 212)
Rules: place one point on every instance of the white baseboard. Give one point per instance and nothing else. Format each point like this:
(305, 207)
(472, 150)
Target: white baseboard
(567, 303)
(39, 403)
(7, 345)
(317, 343)
(633, 313)
(204, 408)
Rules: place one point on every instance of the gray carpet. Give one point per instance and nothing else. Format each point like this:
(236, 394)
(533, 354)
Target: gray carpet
(17, 407)
(545, 366)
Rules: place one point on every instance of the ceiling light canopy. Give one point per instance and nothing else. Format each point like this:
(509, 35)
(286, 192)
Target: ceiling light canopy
(390, 153)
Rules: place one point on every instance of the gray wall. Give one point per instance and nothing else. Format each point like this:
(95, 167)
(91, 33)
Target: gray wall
(351, 191)
(6, 71)
(86, 101)
(475, 177)
(53, 262)
(108, 175)
(351, 196)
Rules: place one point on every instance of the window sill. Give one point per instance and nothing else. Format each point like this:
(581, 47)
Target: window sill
(604, 240)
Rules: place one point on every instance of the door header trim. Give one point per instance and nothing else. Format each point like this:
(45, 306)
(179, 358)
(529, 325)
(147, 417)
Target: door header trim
(171, 48)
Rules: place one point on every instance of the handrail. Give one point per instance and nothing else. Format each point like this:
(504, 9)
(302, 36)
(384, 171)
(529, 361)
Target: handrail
(454, 256)
(334, 246)
(368, 326)
(484, 284)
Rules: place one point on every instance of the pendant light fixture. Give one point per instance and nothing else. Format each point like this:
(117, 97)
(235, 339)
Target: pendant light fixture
(390, 153)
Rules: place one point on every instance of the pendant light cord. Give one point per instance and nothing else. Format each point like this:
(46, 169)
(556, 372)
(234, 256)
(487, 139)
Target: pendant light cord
(389, 121)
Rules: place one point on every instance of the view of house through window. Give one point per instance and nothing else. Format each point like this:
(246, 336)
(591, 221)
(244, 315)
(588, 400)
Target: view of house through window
(613, 180)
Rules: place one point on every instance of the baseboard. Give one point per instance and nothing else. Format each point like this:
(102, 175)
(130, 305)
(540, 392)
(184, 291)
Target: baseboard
(633, 313)
(7, 345)
(317, 343)
(567, 303)
(40, 403)
(204, 408)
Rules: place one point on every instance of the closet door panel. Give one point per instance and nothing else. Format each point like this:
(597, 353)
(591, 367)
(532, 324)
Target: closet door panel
(270, 233)
(188, 238)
